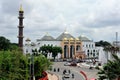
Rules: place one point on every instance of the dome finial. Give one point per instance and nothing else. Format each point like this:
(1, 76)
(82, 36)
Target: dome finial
(21, 9)
(47, 34)
(65, 31)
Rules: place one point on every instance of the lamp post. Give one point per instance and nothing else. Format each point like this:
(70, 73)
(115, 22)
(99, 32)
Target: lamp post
(28, 51)
(32, 57)
(29, 45)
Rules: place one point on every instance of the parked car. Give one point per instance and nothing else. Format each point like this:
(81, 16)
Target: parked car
(73, 64)
(67, 64)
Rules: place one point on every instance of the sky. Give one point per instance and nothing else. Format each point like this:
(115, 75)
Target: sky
(95, 19)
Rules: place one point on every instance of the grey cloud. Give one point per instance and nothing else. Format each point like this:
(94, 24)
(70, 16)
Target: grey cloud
(44, 16)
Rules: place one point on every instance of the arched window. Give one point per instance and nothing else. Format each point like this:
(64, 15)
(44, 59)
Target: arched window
(93, 54)
(88, 51)
(88, 54)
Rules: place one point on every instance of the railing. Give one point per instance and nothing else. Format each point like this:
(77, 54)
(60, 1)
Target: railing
(44, 78)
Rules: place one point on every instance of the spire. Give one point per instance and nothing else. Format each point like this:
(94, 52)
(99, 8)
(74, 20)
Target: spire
(65, 31)
(21, 9)
(20, 28)
(47, 34)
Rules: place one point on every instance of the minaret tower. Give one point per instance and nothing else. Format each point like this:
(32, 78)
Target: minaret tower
(20, 33)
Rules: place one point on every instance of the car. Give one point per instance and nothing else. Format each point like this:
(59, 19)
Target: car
(67, 64)
(67, 75)
(73, 64)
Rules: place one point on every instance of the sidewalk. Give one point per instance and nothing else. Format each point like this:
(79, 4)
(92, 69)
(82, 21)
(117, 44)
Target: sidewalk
(52, 76)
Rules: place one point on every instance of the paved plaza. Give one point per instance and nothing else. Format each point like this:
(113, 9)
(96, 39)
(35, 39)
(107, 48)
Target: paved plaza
(54, 74)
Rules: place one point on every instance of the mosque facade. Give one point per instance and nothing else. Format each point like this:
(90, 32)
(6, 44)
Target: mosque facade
(80, 47)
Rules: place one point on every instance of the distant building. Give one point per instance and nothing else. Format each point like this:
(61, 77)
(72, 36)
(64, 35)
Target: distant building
(72, 47)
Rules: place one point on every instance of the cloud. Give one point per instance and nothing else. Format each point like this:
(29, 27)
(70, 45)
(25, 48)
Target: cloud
(89, 17)
(104, 13)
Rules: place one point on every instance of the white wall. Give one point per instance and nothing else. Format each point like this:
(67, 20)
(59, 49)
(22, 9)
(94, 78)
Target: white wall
(89, 45)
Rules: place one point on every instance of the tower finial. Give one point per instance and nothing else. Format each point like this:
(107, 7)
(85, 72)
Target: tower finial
(65, 31)
(47, 34)
(21, 9)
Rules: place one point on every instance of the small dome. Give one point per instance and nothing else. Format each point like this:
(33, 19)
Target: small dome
(47, 38)
(83, 38)
(27, 40)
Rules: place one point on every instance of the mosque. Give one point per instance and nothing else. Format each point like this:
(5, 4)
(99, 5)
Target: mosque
(72, 47)
(80, 47)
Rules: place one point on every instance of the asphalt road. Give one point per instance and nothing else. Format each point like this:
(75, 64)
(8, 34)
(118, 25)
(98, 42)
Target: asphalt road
(73, 70)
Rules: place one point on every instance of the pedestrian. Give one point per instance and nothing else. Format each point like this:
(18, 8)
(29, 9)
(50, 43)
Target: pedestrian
(69, 71)
(72, 75)
(64, 71)
(58, 69)
(54, 70)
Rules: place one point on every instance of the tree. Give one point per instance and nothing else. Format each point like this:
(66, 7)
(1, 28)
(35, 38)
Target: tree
(13, 66)
(4, 43)
(56, 50)
(111, 70)
(102, 43)
(13, 46)
(41, 64)
(45, 49)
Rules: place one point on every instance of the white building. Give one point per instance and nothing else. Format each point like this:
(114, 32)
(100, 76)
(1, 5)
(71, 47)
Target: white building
(71, 46)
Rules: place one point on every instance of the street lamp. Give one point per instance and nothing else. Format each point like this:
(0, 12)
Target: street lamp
(32, 57)
(29, 45)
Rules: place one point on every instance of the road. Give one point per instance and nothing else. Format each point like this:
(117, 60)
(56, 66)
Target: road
(73, 70)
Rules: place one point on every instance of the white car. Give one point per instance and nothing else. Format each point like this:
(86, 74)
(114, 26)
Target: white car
(67, 75)
(67, 64)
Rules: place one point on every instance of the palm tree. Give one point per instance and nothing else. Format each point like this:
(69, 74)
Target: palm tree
(111, 70)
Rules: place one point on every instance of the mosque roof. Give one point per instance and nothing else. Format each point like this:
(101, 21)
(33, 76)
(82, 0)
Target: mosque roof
(47, 38)
(83, 38)
(64, 35)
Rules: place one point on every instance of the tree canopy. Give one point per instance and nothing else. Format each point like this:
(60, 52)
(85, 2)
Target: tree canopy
(41, 64)
(111, 70)
(54, 49)
(102, 43)
(5, 44)
(13, 66)
(16, 66)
